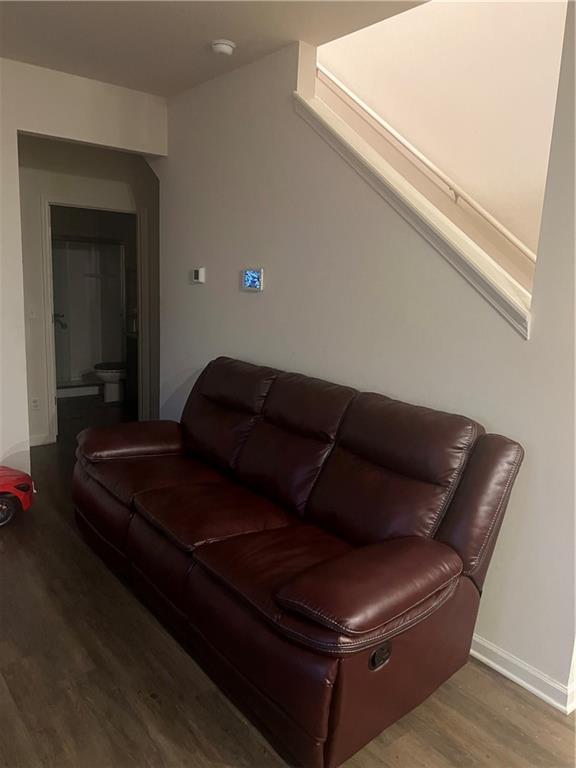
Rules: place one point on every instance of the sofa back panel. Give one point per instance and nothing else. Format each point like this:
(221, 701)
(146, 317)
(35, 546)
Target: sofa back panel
(288, 446)
(393, 472)
(223, 407)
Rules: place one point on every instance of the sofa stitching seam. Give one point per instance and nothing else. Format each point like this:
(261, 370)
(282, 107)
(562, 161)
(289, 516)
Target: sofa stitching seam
(126, 457)
(451, 490)
(334, 444)
(355, 645)
(334, 621)
(476, 562)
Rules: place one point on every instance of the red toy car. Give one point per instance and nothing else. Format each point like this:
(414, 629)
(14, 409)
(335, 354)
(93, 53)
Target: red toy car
(16, 493)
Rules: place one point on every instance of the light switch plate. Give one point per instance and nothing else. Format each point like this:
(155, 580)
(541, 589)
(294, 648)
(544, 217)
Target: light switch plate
(197, 275)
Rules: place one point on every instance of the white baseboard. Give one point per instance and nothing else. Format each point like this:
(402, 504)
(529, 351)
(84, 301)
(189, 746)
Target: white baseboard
(80, 391)
(40, 440)
(542, 685)
(571, 705)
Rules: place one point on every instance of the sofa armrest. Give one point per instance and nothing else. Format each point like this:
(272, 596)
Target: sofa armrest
(130, 440)
(365, 588)
(473, 519)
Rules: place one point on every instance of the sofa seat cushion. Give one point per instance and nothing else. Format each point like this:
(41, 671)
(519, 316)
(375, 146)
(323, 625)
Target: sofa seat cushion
(196, 514)
(124, 478)
(257, 565)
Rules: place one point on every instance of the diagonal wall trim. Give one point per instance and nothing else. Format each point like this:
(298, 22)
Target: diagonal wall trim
(540, 684)
(454, 189)
(506, 295)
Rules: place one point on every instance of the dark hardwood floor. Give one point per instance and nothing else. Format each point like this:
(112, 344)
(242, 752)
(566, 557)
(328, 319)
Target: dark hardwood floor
(89, 679)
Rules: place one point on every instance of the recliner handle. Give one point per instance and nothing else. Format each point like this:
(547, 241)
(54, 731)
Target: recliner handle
(380, 656)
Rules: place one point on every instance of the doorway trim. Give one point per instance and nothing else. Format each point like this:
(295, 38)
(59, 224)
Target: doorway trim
(145, 408)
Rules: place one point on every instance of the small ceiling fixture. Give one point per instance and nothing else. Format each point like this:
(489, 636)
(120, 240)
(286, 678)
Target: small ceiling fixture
(223, 47)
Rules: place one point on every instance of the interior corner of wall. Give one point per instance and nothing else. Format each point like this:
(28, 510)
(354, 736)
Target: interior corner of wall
(306, 75)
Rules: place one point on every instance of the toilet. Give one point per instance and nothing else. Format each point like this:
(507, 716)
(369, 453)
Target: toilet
(112, 375)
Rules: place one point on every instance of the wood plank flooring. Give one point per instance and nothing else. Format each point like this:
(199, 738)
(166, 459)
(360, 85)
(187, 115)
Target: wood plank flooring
(89, 679)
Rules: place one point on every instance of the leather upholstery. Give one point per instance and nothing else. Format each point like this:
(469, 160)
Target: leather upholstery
(475, 515)
(135, 439)
(223, 407)
(393, 471)
(294, 534)
(193, 515)
(125, 478)
(273, 720)
(153, 556)
(315, 635)
(365, 701)
(390, 579)
(286, 449)
(100, 508)
(261, 568)
(297, 680)
(255, 566)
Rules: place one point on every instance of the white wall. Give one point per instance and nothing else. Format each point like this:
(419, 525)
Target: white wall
(354, 295)
(40, 101)
(473, 86)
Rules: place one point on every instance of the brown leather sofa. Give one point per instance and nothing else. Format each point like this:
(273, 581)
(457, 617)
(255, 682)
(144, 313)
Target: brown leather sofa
(321, 552)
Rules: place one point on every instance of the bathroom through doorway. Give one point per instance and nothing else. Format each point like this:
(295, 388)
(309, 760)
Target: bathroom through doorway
(95, 317)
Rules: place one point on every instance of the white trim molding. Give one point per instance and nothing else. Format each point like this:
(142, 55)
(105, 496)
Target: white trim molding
(540, 684)
(80, 391)
(499, 288)
(36, 440)
(571, 698)
(48, 320)
(452, 187)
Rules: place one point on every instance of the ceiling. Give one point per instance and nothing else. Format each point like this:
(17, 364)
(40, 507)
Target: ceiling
(163, 47)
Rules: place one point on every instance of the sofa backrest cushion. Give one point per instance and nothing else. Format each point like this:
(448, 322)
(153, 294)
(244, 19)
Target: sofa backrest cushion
(393, 470)
(284, 452)
(223, 407)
